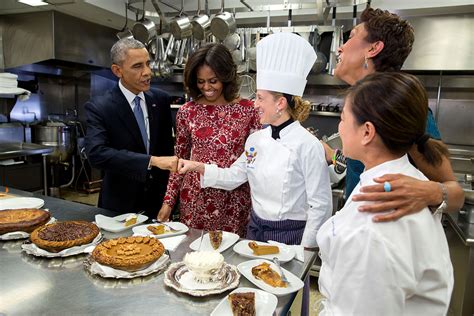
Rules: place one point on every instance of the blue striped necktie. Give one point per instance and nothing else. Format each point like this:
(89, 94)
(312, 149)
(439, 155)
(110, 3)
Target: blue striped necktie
(137, 110)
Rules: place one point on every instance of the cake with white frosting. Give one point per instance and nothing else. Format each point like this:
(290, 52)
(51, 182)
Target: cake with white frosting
(204, 265)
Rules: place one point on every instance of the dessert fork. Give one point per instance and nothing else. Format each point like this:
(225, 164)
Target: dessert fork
(283, 277)
(125, 219)
(165, 224)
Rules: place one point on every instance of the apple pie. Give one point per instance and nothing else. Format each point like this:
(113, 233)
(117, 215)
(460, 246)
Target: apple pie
(62, 235)
(156, 230)
(242, 304)
(128, 253)
(265, 273)
(215, 237)
(22, 220)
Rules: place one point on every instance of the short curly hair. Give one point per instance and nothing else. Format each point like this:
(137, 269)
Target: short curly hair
(219, 58)
(396, 34)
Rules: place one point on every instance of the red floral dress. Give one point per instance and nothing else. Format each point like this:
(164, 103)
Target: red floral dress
(212, 134)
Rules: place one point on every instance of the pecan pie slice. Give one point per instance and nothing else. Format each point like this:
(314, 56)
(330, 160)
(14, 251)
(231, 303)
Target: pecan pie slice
(22, 220)
(129, 253)
(62, 235)
(242, 304)
(215, 237)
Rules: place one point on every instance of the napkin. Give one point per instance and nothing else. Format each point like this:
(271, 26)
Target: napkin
(299, 250)
(171, 243)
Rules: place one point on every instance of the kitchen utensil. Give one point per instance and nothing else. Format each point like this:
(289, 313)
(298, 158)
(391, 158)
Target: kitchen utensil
(335, 44)
(282, 274)
(123, 220)
(200, 243)
(165, 224)
(145, 29)
(321, 60)
(223, 24)
(232, 41)
(181, 26)
(201, 24)
(125, 31)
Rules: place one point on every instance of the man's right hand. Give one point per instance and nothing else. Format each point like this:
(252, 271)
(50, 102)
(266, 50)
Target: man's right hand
(164, 213)
(165, 162)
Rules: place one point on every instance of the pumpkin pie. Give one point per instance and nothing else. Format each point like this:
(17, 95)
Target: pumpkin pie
(242, 304)
(62, 235)
(265, 273)
(22, 220)
(260, 250)
(128, 253)
(156, 230)
(215, 237)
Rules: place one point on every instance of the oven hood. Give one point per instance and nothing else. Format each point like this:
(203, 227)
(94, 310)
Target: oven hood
(54, 43)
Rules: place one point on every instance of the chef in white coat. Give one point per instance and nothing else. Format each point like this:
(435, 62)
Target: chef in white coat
(394, 268)
(283, 163)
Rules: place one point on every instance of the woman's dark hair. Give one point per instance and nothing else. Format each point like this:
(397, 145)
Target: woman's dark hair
(396, 34)
(397, 104)
(219, 59)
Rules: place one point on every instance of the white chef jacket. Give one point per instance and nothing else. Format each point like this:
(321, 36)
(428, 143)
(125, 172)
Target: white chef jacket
(288, 178)
(395, 268)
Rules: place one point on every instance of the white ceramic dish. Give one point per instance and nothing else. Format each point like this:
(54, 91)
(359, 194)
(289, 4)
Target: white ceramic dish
(143, 231)
(34, 250)
(20, 202)
(243, 249)
(228, 239)
(265, 303)
(113, 224)
(178, 277)
(295, 284)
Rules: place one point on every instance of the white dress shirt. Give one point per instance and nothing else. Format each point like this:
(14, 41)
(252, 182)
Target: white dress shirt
(288, 178)
(401, 267)
(130, 96)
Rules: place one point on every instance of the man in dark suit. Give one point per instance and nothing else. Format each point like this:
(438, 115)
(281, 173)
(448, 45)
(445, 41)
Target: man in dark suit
(129, 135)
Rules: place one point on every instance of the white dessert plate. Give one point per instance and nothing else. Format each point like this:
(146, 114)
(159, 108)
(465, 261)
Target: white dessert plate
(20, 202)
(243, 249)
(143, 231)
(228, 239)
(295, 284)
(113, 224)
(265, 303)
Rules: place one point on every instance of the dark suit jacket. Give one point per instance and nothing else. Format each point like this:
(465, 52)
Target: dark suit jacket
(114, 145)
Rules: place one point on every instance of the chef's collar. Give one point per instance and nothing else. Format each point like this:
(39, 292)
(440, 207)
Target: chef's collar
(276, 129)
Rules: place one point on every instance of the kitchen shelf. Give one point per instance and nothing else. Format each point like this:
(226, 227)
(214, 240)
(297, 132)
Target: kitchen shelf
(325, 113)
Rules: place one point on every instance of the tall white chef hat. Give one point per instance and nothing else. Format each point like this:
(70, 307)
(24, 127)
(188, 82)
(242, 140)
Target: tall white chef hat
(283, 63)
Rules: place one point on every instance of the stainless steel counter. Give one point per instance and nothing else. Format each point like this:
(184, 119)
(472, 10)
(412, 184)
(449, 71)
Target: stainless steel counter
(460, 236)
(14, 150)
(31, 285)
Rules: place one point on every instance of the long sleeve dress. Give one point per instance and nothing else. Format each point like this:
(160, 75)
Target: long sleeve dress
(212, 134)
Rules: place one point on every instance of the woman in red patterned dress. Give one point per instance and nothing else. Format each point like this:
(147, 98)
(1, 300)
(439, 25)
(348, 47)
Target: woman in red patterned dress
(211, 129)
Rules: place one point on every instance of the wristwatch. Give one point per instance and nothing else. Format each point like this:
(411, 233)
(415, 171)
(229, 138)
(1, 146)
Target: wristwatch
(444, 203)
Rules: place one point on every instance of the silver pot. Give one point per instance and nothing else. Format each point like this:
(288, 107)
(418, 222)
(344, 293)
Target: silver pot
(201, 27)
(144, 30)
(57, 135)
(223, 24)
(181, 27)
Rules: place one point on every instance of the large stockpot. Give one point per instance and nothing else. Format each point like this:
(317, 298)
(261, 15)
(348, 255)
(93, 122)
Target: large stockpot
(57, 135)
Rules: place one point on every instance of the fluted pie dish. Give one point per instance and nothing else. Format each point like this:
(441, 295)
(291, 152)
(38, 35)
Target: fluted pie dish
(128, 253)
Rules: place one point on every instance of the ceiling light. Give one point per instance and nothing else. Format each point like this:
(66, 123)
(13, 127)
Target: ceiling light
(33, 3)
